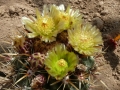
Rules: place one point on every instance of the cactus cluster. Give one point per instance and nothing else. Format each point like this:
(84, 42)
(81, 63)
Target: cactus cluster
(44, 62)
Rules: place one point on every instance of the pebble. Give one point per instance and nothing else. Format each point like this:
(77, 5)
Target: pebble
(19, 25)
(77, 1)
(82, 6)
(2, 10)
(11, 9)
(96, 15)
(101, 3)
(89, 19)
(98, 22)
(85, 13)
(85, 17)
(114, 73)
(104, 12)
(30, 12)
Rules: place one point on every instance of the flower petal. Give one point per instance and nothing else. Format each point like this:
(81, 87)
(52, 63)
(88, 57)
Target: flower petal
(28, 24)
(32, 35)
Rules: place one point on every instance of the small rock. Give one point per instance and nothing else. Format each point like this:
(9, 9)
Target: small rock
(70, 1)
(11, 9)
(97, 15)
(89, 19)
(30, 12)
(85, 17)
(82, 6)
(85, 13)
(77, 1)
(104, 12)
(2, 10)
(91, 11)
(101, 3)
(113, 73)
(98, 22)
(19, 25)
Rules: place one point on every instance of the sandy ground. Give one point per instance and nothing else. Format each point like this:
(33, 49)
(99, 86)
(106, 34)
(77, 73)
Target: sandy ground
(105, 14)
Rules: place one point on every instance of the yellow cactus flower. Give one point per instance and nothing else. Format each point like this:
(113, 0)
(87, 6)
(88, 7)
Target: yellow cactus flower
(53, 20)
(43, 26)
(60, 62)
(46, 27)
(30, 26)
(65, 19)
(86, 39)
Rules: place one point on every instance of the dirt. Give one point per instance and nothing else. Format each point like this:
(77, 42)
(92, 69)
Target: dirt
(104, 14)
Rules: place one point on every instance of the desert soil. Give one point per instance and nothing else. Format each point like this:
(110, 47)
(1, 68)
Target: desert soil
(104, 14)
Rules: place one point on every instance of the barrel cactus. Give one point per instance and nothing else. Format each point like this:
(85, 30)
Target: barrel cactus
(42, 61)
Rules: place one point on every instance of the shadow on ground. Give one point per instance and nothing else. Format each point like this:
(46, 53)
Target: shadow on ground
(110, 31)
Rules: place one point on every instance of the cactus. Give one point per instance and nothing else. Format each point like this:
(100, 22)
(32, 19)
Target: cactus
(59, 67)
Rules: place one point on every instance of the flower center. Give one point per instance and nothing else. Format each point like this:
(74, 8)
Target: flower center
(84, 38)
(64, 16)
(86, 41)
(62, 63)
(45, 25)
